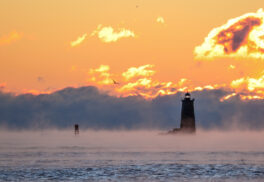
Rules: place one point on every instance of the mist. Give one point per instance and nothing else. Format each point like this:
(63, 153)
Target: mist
(139, 140)
(97, 110)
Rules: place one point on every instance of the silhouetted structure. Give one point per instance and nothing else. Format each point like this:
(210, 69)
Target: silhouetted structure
(187, 116)
(76, 129)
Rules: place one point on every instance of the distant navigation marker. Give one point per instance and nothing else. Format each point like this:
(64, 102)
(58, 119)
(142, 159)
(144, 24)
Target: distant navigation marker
(76, 129)
(187, 116)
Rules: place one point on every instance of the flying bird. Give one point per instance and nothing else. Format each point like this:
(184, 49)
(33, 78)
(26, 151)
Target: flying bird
(115, 82)
(40, 79)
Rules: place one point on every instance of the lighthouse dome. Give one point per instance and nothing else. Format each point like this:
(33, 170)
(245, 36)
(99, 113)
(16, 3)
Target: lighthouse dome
(188, 95)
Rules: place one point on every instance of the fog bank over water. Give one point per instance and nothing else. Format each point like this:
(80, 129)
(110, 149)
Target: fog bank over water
(94, 109)
(140, 141)
(131, 156)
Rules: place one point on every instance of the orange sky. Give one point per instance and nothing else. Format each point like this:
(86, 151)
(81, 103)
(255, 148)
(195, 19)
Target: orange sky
(36, 37)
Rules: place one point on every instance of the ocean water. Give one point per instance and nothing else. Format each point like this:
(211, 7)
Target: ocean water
(131, 156)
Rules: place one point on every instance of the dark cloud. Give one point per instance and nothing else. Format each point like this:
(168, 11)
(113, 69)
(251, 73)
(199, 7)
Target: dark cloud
(236, 35)
(93, 109)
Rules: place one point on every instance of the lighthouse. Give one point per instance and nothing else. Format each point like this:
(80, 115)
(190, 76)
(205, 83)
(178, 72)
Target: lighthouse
(187, 114)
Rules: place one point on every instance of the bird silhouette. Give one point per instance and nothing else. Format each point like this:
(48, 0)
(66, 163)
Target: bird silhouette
(115, 82)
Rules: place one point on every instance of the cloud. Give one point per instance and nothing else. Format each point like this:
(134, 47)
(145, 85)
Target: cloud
(226, 97)
(247, 88)
(93, 109)
(160, 19)
(101, 75)
(2, 85)
(35, 92)
(231, 67)
(101, 69)
(79, 40)
(105, 34)
(139, 81)
(239, 37)
(250, 84)
(10, 38)
(108, 34)
(140, 71)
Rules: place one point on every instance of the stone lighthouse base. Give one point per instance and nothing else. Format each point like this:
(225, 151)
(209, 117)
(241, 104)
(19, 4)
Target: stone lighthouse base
(181, 131)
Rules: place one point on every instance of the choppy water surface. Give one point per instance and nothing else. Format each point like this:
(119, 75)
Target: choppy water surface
(131, 156)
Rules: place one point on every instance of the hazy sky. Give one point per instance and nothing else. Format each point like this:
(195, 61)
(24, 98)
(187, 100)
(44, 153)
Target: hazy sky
(49, 45)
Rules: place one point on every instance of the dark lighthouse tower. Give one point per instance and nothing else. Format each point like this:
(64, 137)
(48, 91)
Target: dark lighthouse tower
(187, 114)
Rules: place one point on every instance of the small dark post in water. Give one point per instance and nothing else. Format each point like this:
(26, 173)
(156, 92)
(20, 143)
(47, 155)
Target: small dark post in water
(76, 129)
